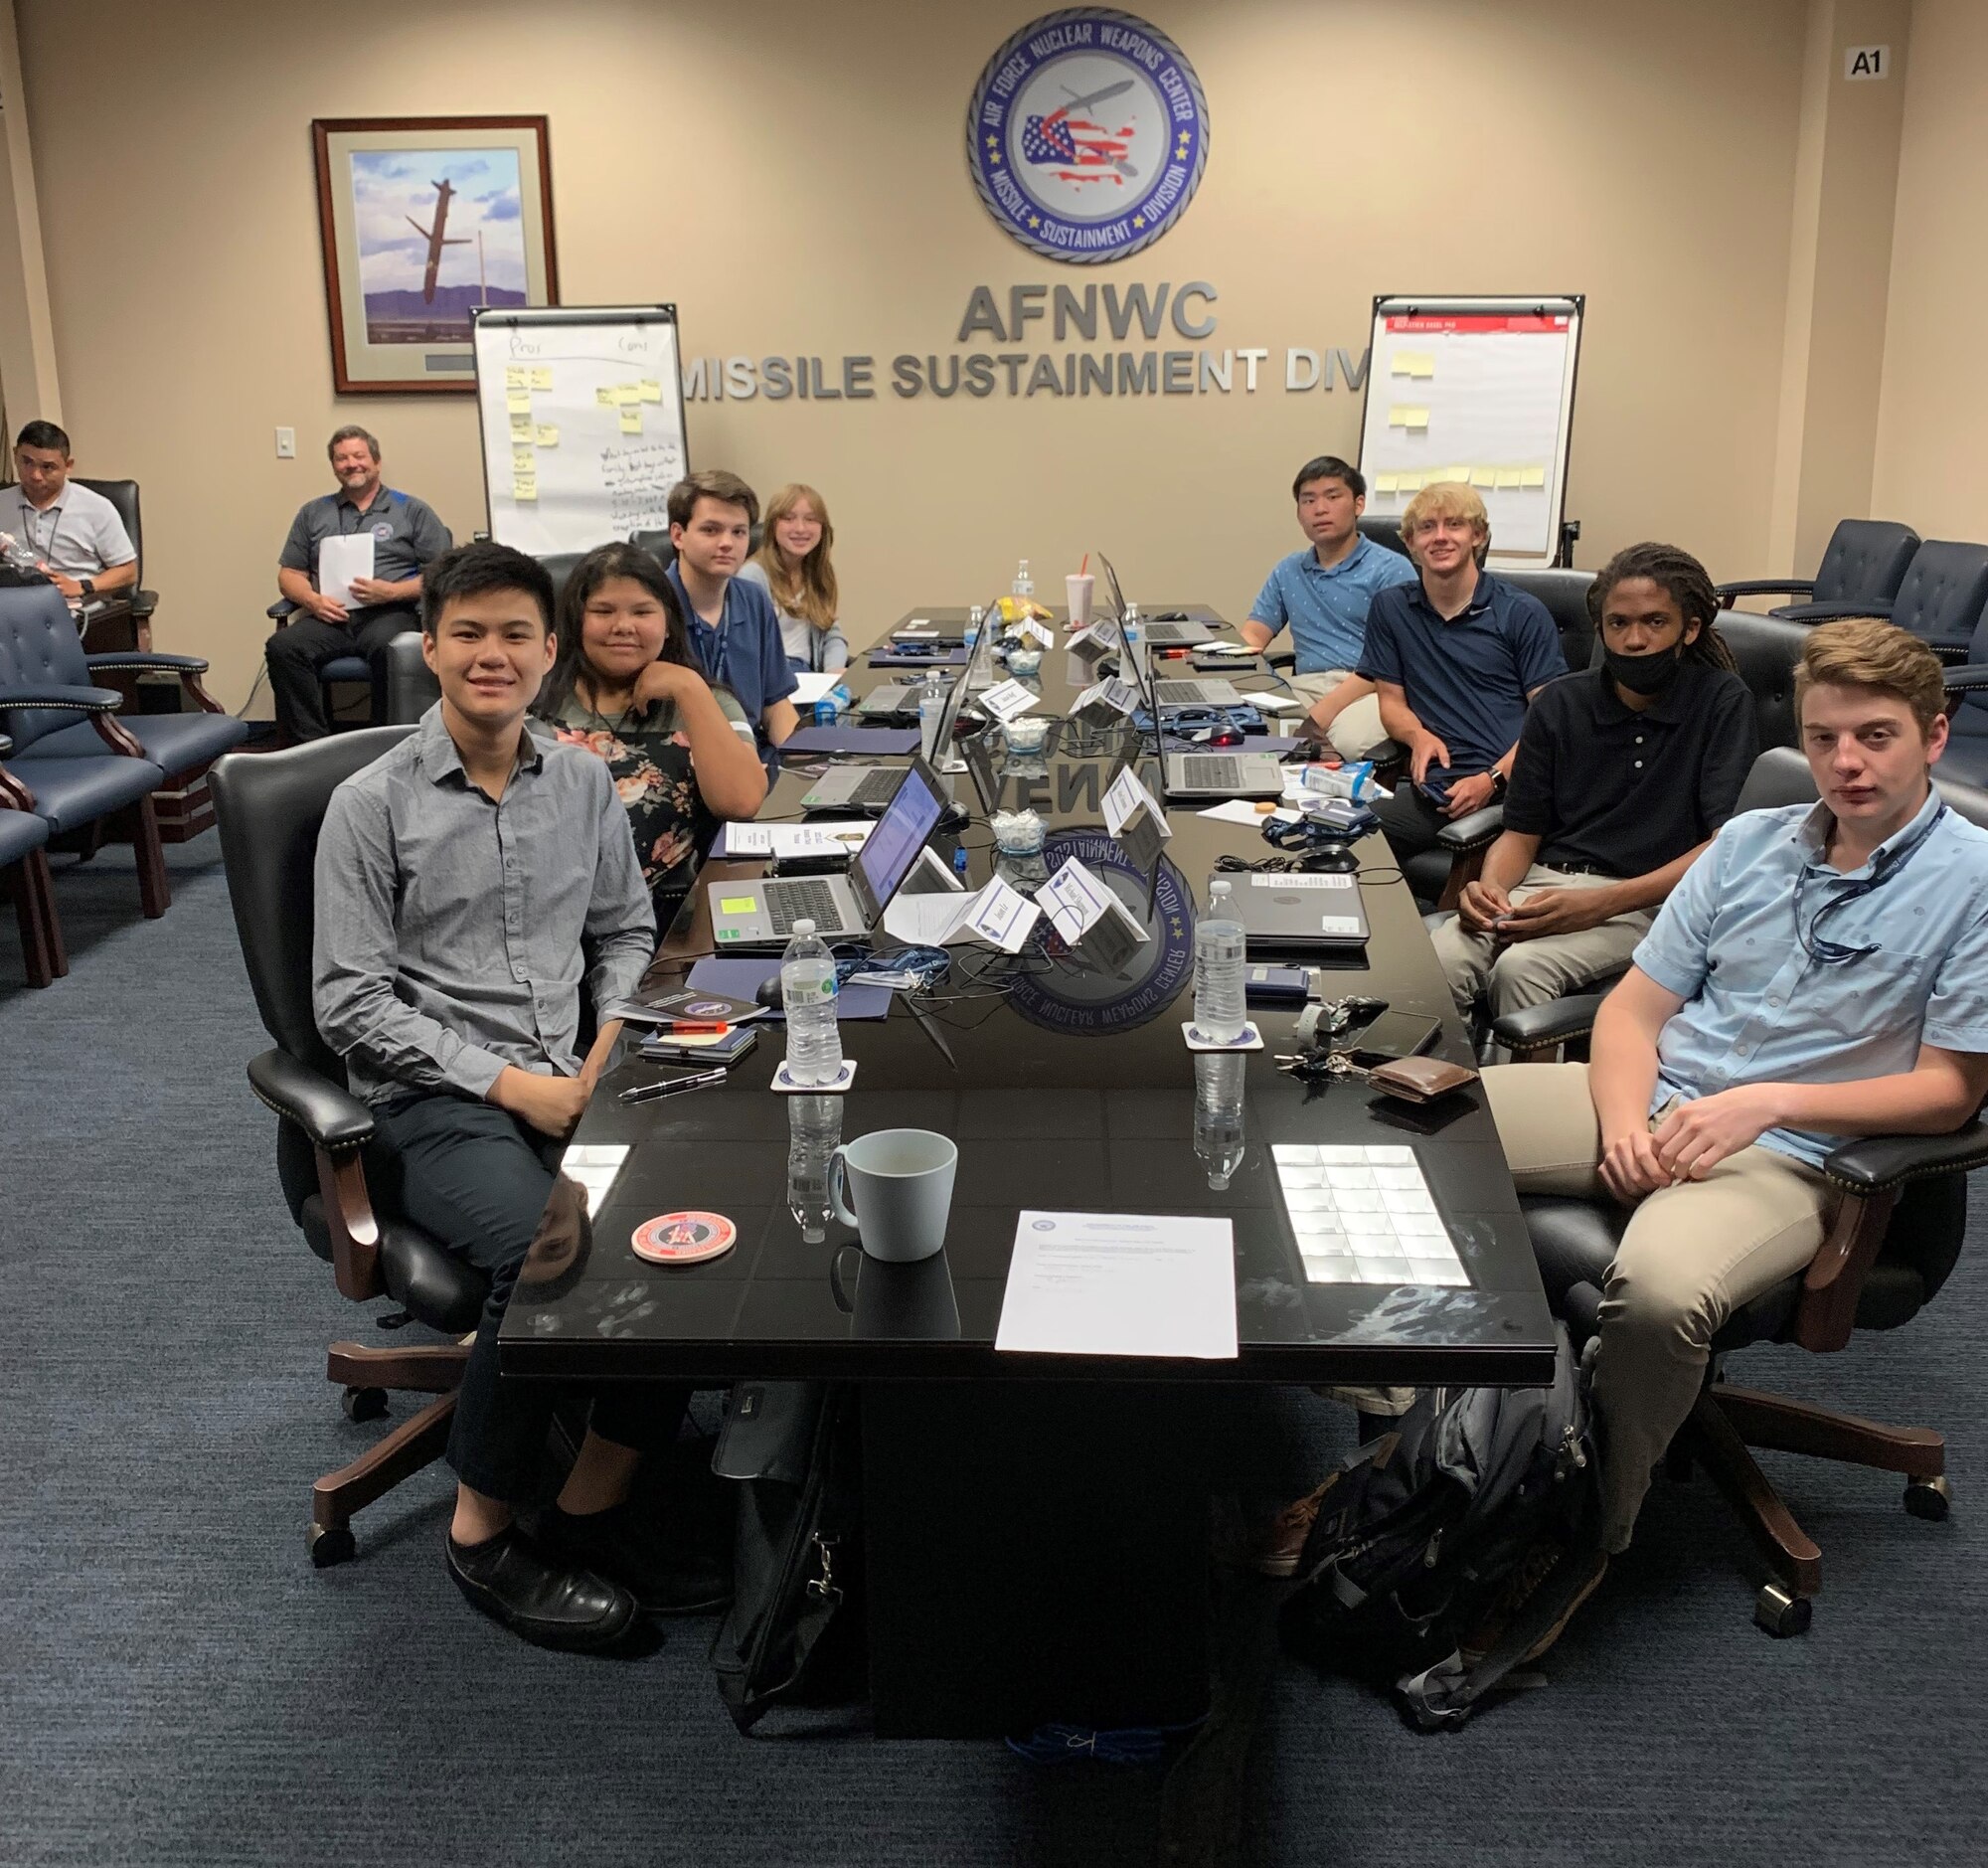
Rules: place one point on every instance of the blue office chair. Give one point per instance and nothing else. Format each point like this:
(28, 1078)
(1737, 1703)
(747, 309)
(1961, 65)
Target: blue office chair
(46, 694)
(24, 865)
(1864, 563)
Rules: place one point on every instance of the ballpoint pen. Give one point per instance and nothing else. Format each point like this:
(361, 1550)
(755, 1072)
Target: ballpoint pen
(674, 1086)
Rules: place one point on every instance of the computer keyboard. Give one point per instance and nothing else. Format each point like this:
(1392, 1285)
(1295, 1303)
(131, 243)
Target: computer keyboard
(1182, 694)
(802, 899)
(1206, 770)
(877, 787)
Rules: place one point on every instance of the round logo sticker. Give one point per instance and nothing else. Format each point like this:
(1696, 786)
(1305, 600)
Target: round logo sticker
(1088, 134)
(683, 1237)
(383, 529)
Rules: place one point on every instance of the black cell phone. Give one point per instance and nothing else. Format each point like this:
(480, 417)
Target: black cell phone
(1394, 1035)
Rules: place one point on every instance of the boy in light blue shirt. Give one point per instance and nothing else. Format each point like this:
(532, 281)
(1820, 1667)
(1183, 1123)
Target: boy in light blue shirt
(1321, 595)
(1820, 973)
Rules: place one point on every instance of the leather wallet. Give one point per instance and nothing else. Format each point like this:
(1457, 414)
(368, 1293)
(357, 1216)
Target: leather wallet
(1419, 1079)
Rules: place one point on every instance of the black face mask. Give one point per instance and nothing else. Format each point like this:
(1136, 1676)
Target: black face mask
(1647, 675)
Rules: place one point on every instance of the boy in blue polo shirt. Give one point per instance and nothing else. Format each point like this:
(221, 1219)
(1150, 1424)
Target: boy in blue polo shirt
(734, 627)
(1322, 594)
(1820, 972)
(1456, 656)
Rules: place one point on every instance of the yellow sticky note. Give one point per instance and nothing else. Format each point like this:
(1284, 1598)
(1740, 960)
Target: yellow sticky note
(1483, 476)
(1407, 482)
(521, 428)
(1508, 476)
(1398, 416)
(606, 398)
(631, 421)
(524, 486)
(1532, 476)
(547, 436)
(1411, 363)
(542, 376)
(515, 375)
(1385, 482)
(650, 390)
(518, 403)
(1414, 417)
(522, 461)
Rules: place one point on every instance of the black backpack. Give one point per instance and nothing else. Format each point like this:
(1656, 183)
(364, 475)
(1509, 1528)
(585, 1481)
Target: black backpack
(1481, 1509)
(793, 1635)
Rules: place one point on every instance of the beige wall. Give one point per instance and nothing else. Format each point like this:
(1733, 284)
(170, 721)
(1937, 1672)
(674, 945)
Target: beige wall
(797, 185)
(1933, 409)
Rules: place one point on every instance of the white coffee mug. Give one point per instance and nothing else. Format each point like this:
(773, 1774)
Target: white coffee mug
(899, 1181)
(1077, 590)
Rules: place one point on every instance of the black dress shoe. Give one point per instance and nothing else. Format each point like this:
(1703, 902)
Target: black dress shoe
(548, 1602)
(625, 1543)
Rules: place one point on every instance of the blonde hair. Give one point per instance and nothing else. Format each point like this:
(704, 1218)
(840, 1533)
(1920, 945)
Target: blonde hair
(812, 591)
(1865, 652)
(1447, 499)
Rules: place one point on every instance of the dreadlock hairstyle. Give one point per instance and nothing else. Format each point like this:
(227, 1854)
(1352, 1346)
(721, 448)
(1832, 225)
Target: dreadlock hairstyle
(1690, 588)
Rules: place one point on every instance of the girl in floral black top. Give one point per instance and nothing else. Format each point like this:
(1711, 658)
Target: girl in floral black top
(625, 685)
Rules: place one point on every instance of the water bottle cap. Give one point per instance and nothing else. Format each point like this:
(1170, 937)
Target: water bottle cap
(803, 927)
(1220, 886)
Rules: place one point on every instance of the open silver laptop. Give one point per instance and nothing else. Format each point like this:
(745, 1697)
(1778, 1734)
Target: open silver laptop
(1183, 693)
(870, 787)
(763, 912)
(1219, 772)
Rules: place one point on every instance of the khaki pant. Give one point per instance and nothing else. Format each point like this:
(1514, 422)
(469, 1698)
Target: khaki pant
(1690, 1256)
(1358, 729)
(1533, 973)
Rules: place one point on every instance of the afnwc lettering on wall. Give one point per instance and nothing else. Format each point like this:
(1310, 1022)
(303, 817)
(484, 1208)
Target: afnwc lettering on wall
(978, 363)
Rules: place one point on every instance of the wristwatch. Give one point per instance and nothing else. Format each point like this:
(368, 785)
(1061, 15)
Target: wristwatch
(90, 586)
(1497, 783)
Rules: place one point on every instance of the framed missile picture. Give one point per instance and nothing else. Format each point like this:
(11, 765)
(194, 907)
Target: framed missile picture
(423, 220)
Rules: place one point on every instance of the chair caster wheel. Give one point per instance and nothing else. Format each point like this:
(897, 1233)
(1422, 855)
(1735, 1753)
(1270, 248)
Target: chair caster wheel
(365, 1404)
(1780, 1613)
(330, 1544)
(1930, 1499)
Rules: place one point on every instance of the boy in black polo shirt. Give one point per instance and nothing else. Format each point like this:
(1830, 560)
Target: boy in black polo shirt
(1455, 657)
(1623, 774)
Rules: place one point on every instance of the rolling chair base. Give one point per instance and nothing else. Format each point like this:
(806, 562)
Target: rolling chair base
(1728, 1421)
(367, 1375)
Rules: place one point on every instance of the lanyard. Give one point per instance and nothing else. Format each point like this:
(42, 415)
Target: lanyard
(30, 518)
(1835, 952)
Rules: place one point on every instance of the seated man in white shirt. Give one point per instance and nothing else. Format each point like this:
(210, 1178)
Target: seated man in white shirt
(78, 540)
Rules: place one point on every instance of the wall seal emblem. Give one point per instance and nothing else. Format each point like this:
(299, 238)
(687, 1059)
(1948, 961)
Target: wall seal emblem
(1087, 135)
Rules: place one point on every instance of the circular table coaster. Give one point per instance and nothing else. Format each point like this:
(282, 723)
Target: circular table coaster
(683, 1237)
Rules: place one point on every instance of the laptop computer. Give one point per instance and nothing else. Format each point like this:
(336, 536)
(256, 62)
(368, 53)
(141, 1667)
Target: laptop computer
(1216, 773)
(1300, 912)
(870, 788)
(892, 697)
(1167, 692)
(1179, 631)
(763, 912)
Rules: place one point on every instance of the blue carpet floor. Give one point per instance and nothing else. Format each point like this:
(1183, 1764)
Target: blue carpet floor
(178, 1685)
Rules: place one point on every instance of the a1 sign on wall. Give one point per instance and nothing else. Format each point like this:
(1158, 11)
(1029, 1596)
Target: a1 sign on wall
(1867, 62)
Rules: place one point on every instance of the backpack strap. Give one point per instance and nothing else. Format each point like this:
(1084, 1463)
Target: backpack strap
(1443, 1697)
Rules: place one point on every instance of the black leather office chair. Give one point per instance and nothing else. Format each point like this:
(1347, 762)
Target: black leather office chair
(24, 868)
(412, 688)
(658, 546)
(271, 807)
(1865, 561)
(1383, 531)
(141, 602)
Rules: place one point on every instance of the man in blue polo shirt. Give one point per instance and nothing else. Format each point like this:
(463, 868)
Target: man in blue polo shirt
(1819, 973)
(1322, 594)
(734, 627)
(1455, 656)
(324, 626)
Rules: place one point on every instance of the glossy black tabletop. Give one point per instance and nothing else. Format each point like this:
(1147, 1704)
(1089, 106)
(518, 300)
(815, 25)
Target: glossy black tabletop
(1062, 1089)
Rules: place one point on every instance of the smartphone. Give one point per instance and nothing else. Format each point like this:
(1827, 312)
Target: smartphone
(1394, 1035)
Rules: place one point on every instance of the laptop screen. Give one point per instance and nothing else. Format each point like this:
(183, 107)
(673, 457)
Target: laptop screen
(891, 849)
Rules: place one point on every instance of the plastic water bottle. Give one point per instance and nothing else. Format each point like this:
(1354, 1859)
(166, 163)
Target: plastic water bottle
(807, 996)
(975, 616)
(814, 1127)
(1219, 1012)
(16, 555)
(829, 709)
(1217, 1115)
(1024, 585)
(931, 704)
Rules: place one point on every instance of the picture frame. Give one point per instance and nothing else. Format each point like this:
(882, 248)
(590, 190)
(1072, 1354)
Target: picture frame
(422, 219)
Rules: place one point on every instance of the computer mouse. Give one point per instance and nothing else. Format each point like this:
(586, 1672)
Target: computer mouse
(1335, 859)
(952, 817)
(768, 992)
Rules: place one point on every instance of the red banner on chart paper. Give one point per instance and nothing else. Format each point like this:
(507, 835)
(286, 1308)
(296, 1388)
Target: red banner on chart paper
(1555, 324)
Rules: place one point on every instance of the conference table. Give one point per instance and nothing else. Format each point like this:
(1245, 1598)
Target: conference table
(1036, 1526)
